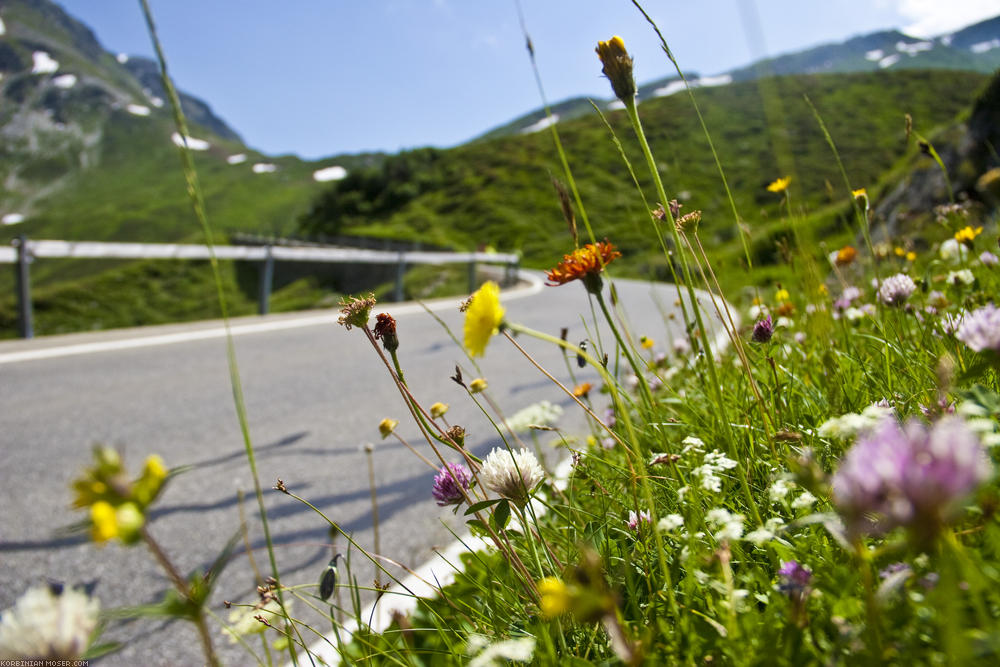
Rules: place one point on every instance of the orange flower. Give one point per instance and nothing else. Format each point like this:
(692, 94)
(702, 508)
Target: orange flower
(581, 390)
(845, 255)
(585, 264)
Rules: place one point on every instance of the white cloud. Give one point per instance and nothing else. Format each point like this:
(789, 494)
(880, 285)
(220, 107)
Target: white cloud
(930, 18)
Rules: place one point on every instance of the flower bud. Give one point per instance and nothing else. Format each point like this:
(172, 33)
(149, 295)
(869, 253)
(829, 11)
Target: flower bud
(478, 386)
(387, 426)
(617, 67)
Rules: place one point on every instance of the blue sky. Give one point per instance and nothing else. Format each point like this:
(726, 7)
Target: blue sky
(321, 77)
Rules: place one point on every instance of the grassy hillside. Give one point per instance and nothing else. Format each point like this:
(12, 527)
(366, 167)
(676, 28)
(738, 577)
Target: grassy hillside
(499, 193)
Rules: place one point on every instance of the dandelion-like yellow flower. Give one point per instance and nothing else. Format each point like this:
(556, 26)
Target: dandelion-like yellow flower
(859, 193)
(582, 390)
(782, 295)
(911, 256)
(438, 410)
(386, 427)
(104, 526)
(478, 386)
(968, 234)
(554, 598)
(900, 252)
(585, 264)
(617, 67)
(780, 185)
(647, 343)
(483, 318)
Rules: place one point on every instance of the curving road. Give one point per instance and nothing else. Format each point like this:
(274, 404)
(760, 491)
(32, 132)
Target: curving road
(315, 394)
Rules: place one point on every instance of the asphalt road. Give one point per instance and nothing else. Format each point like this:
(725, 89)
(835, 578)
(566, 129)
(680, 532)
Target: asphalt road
(315, 393)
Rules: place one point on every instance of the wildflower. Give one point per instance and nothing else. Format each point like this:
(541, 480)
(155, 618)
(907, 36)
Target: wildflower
(967, 234)
(478, 386)
(681, 347)
(782, 295)
(980, 329)
(765, 533)
(912, 477)
(896, 289)
(851, 424)
(542, 413)
(762, 330)
(729, 527)
(780, 489)
(805, 501)
(617, 67)
(961, 277)
(243, 620)
(385, 329)
(953, 252)
(900, 252)
(387, 426)
(795, 578)
(48, 623)
(487, 655)
(911, 256)
(847, 297)
(988, 259)
(483, 318)
(584, 264)
(356, 311)
(714, 462)
(635, 521)
(800, 337)
(670, 523)
(511, 474)
(779, 185)
(457, 435)
(647, 343)
(581, 390)
(449, 483)
(554, 598)
(860, 193)
(845, 256)
(438, 410)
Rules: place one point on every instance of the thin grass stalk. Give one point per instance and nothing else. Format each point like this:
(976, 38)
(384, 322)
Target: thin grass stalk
(198, 205)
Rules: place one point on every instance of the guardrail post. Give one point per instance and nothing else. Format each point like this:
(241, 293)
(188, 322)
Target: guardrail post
(472, 276)
(26, 328)
(400, 271)
(511, 273)
(266, 281)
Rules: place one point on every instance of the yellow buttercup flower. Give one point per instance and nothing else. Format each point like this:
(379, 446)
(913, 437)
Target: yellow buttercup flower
(647, 343)
(782, 295)
(554, 598)
(780, 185)
(104, 526)
(859, 193)
(478, 386)
(438, 410)
(483, 318)
(899, 252)
(968, 234)
(386, 427)
(911, 256)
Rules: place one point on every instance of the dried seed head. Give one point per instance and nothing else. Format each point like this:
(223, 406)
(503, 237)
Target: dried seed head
(356, 311)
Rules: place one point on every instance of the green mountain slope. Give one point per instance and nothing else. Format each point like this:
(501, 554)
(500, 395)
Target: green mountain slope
(498, 193)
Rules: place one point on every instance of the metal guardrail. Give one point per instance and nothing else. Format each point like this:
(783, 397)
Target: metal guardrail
(24, 251)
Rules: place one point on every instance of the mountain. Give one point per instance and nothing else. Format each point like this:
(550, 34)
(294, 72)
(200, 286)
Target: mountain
(975, 48)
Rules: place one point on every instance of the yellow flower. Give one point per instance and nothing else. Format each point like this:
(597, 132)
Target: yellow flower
(387, 426)
(478, 386)
(438, 410)
(582, 390)
(104, 527)
(782, 295)
(911, 256)
(968, 234)
(845, 256)
(584, 264)
(554, 598)
(617, 67)
(647, 343)
(780, 185)
(483, 318)
(899, 252)
(859, 193)
(148, 486)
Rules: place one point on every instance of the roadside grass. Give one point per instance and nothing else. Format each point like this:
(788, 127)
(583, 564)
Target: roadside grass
(820, 490)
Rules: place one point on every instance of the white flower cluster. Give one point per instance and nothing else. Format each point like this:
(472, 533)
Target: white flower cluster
(48, 625)
(848, 426)
(728, 526)
(767, 532)
(542, 413)
(511, 474)
(670, 523)
(520, 650)
(953, 252)
(714, 462)
(978, 421)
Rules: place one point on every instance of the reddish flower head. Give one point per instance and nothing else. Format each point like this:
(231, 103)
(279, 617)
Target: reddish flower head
(585, 264)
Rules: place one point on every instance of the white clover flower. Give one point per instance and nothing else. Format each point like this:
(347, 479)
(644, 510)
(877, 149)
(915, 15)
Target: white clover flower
(854, 314)
(783, 322)
(963, 277)
(780, 489)
(542, 413)
(805, 501)
(953, 252)
(670, 523)
(896, 289)
(512, 475)
(44, 624)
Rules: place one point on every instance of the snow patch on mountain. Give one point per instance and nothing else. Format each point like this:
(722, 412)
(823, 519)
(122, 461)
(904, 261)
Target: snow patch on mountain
(702, 82)
(122, 58)
(983, 47)
(239, 158)
(334, 173)
(541, 124)
(913, 48)
(43, 63)
(265, 168)
(12, 219)
(64, 81)
(889, 61)
(192, 143)
(137, 110)
(875, 55)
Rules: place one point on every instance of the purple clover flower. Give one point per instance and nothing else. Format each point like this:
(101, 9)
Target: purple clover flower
(980, 329)
(763, 330)
(896, 289)
(847, 297)
(913, 476)
(449, 483)
(795, 578)
(636, 520)
(988, 258)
